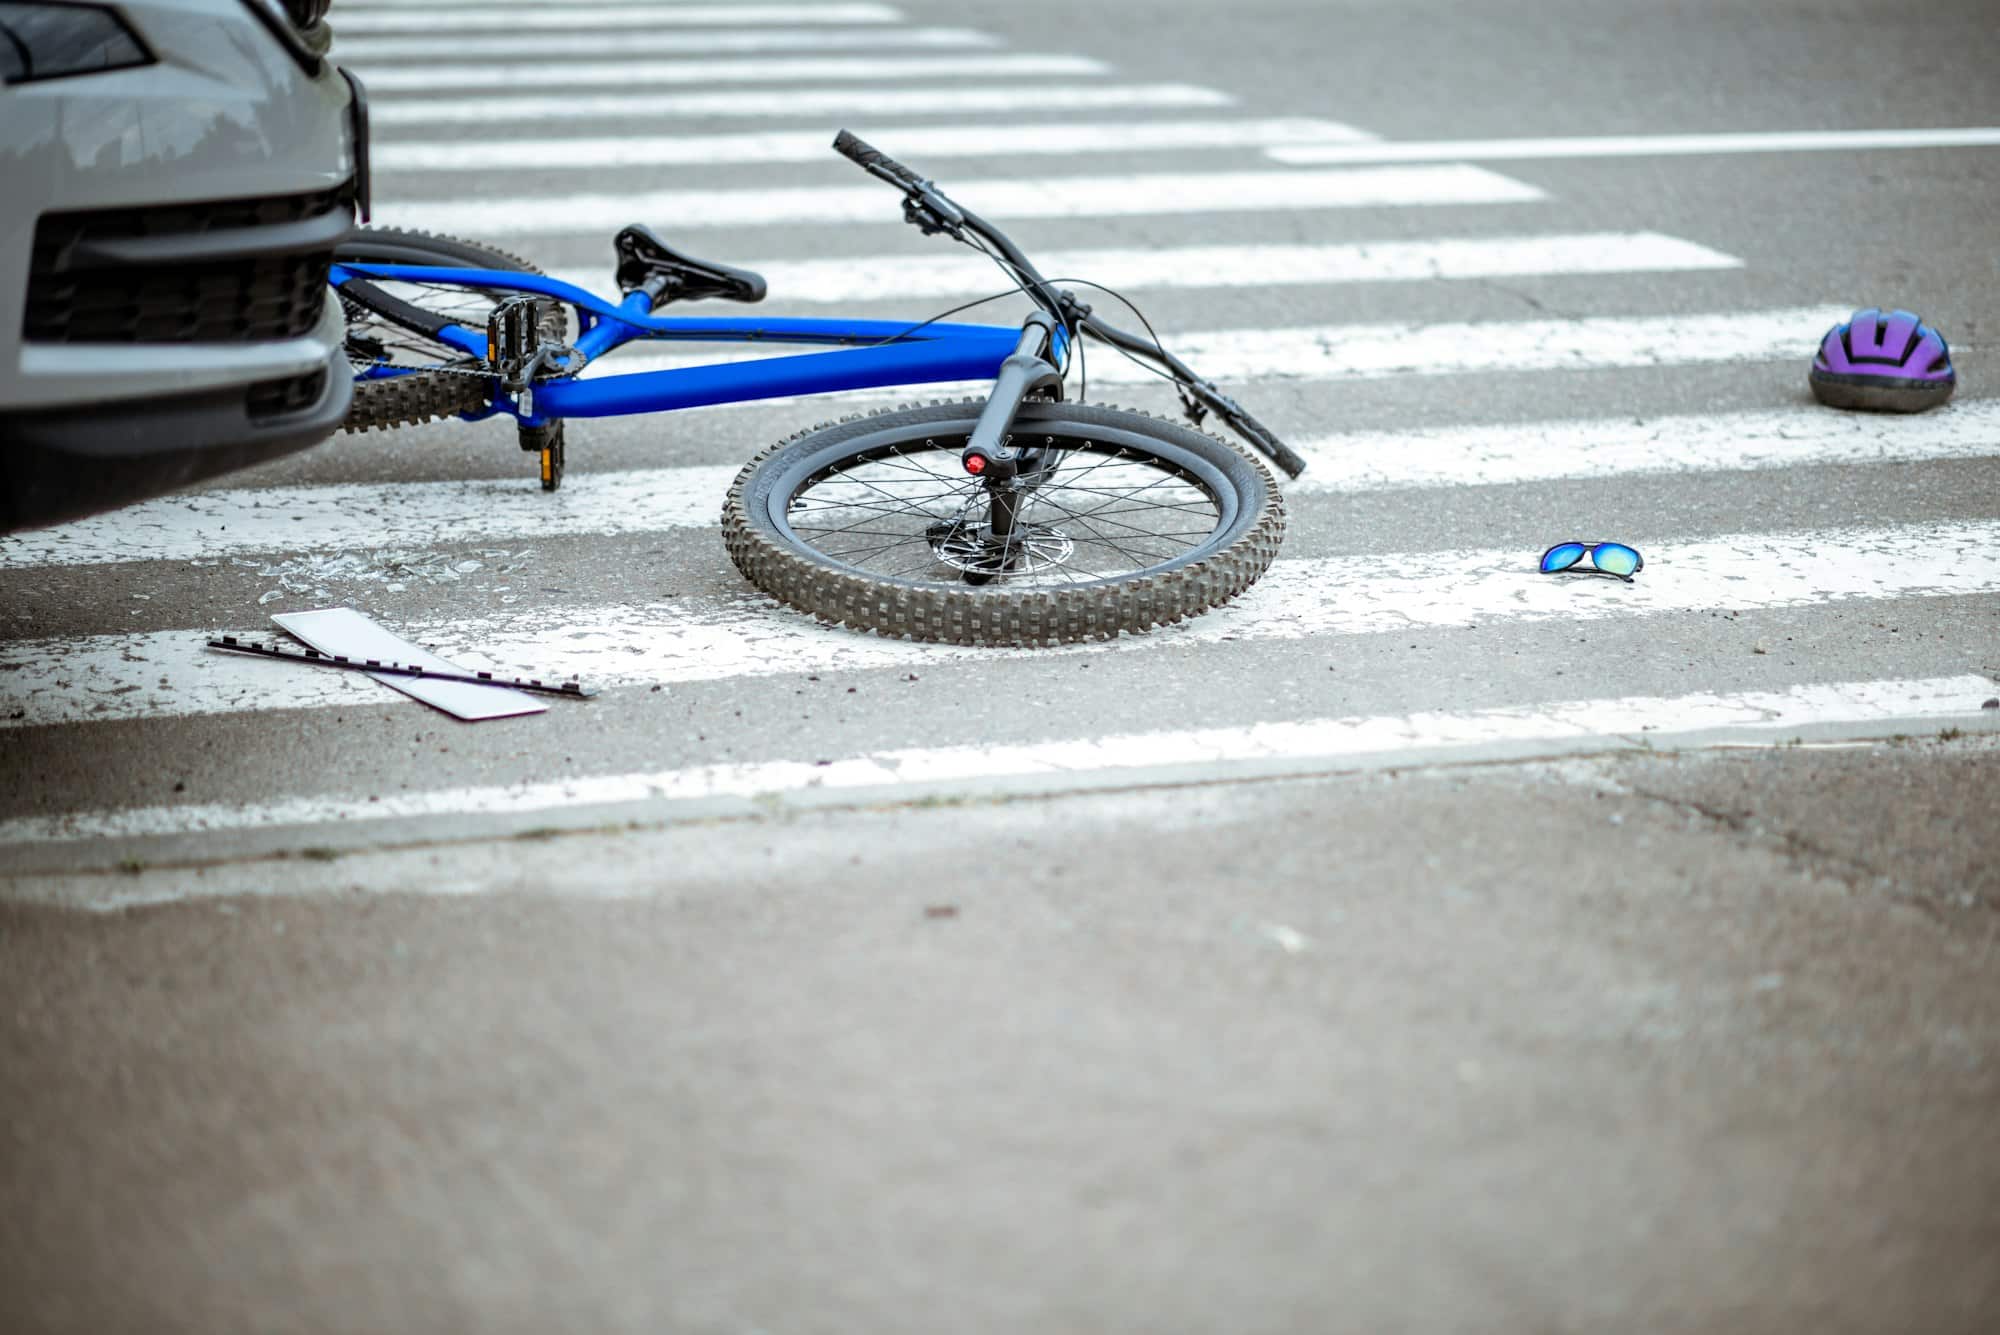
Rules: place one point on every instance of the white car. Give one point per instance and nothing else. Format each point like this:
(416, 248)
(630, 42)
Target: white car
(176, 175)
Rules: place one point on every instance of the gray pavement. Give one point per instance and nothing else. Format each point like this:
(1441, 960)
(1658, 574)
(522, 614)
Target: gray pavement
(1549, 1030)
(1694, 1043)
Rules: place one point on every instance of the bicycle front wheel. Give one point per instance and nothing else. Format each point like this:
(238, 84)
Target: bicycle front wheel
(1128, 522)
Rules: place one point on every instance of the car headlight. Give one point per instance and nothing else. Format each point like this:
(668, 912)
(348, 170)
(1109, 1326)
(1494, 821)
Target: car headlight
(53, 41)
(289, 21)
(305, 13)
(301, 14)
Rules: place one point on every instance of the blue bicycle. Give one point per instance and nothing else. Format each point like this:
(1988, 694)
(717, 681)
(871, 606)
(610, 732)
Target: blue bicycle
(1020, 518)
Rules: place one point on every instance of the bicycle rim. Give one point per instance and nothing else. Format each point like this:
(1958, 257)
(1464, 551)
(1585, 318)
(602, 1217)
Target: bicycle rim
(1101, 509)
(875, 523)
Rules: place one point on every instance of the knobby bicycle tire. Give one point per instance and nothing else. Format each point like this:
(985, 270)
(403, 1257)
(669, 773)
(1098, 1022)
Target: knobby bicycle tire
(940, 605)
(422, 396)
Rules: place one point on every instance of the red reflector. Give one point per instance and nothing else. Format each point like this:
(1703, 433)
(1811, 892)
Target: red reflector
(975, 463)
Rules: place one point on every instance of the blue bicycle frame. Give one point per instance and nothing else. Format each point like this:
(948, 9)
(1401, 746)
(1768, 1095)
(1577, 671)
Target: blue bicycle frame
(873, 353)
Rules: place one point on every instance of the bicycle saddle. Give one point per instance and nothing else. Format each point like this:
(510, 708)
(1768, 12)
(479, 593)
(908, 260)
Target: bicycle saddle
(643, 256)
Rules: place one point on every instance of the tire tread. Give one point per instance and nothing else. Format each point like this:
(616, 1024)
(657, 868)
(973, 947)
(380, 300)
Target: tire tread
(955, 614)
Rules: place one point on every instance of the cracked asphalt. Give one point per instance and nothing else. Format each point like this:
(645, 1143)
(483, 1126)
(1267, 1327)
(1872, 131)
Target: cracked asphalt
(1701, 1041)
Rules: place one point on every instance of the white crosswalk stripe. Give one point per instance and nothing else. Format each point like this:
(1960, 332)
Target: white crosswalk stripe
(1642, 146)
(503, 10)
(934, 142)
(546, 45)
(956, 274)
(358, 517)
(1302, 746)
(781, 71)
(1371, 351)
(168, 674)
(1156, 194)
(797, 104)
(567, 18)
(443, 514)
(605, 82)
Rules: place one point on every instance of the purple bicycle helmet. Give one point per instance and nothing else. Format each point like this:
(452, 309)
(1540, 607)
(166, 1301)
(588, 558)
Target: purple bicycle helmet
(1892, 363)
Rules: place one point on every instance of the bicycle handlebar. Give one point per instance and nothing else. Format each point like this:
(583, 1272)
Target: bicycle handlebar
(926, 205)
(929, 207)
(1205, 392)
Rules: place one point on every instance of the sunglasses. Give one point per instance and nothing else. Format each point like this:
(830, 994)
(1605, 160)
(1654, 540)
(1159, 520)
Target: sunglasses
(1606, 558)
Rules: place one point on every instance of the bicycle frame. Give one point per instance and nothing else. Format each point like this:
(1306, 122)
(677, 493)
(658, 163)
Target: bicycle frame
(871, 354)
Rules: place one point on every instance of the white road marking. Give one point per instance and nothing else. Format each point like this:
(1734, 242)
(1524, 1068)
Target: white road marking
(429, 6)
(569, 18)
(1371, 351)
(1340, 352)
(164, 674)
(760, 70)
(1640, 146)
(1153, 194)
(1302, 746)
(910, 143)
(796, 104)
(207, 526)
(1622, 447)
(956, 273)
(485, 46)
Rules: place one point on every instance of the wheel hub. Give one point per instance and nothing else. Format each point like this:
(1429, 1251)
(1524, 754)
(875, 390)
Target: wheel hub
(974, 549)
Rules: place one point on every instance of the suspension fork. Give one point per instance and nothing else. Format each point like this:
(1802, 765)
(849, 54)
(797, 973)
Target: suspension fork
(1011, 475)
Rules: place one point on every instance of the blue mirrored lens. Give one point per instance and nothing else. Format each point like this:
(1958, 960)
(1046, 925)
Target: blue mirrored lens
(1615, 558)
(1561, 557)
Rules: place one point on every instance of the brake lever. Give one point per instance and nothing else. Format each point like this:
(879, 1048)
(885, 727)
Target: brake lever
(918, 212)
(1194, 409)
(1200, 397)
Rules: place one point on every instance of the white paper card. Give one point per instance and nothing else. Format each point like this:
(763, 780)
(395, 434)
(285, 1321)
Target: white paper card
(346, 632)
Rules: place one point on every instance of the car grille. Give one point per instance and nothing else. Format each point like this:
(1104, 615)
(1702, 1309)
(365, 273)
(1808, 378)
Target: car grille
(219, 300)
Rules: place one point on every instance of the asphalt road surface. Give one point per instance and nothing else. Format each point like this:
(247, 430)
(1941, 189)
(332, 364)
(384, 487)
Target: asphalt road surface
(1415, 944)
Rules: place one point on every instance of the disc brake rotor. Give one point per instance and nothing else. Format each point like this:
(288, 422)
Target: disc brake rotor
(970, 547)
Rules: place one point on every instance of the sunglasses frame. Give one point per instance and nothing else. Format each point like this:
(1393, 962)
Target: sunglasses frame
(1590, 547)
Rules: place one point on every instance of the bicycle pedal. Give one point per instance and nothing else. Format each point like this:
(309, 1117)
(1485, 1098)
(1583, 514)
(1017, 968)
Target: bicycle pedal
(513, 337)
(547, 441)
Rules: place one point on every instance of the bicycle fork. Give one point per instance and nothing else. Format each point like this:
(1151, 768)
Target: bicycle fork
(1009, 475)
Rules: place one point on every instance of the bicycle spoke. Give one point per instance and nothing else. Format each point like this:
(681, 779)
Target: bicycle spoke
(1095, 511)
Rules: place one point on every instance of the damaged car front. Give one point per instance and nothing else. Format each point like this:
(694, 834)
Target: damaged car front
(176, 174)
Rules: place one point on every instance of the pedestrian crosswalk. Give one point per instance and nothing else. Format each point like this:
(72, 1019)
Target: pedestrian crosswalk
(384, 51)
(544, 128)
(839, 102)
(780, 72)
(243, 522)
(1155, 268)
(771, 146)
(1369, 351)
(1004, 200)
(694, 639)
(564, 18)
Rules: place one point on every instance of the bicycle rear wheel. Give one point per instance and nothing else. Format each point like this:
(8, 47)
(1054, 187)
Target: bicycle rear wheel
(404, 376)
(873, 523)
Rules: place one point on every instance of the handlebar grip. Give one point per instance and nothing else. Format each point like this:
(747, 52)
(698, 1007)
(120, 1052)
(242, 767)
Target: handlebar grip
(866, 156)
(1267, 443)
(1284, 456)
